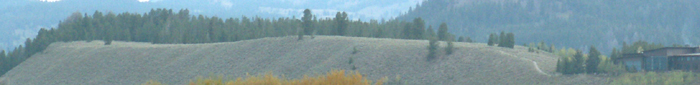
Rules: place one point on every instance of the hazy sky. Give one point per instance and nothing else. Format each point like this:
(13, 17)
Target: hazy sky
(54, 0)
(357, 9)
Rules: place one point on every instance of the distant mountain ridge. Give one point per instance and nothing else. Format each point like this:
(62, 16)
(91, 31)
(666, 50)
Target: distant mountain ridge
(571, 23)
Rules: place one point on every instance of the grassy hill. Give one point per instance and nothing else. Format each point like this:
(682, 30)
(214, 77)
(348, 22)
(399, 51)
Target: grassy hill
(128, 63)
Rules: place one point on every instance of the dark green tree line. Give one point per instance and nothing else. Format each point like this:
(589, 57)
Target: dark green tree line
(502, 40)
(578, 63)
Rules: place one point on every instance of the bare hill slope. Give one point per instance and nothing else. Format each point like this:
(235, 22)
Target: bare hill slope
(129, 63)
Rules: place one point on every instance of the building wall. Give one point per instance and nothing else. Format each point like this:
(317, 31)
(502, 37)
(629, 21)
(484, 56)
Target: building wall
(686, 63)
(672, 52)
(663, 60)
(655, 63)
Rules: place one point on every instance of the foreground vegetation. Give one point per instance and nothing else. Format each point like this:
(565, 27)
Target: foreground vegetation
(574, 61)
(653, 78)
(335, 77)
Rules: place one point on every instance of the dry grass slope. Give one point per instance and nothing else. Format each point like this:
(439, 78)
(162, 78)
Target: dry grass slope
(129, 63)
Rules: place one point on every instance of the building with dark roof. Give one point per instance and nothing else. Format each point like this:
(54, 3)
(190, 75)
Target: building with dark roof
(663, 59)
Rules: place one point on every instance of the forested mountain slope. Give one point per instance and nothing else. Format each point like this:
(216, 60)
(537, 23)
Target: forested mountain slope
(570, 23)
(128, 63)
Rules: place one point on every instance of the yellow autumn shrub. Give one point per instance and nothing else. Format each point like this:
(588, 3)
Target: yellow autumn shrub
(334, 77)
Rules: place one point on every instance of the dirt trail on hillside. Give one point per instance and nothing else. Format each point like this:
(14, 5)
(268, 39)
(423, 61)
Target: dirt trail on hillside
(534, 63)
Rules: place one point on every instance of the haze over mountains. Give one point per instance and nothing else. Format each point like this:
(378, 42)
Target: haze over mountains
(569, 23)
(21, 19)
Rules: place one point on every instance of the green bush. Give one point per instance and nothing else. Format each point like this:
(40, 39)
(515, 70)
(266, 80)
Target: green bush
(354, 50)
(653, 78)
(108, 42)
(450, 47)
(432, 49)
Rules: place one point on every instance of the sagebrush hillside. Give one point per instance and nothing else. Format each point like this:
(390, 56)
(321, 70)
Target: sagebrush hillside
(129, 63)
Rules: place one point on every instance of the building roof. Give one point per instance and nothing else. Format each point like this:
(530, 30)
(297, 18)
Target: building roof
(686, 55)
(671, 48)
(630, 55)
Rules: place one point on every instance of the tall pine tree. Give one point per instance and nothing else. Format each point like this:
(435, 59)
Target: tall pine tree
(442, 32)
(510, 40)
(307, 22)
(341, 21)
(502, 40)
(614, 55)
(577, 63)
(593, 60)
(432, 48)
(407, 31)
(418, 29)
(560, 66)
(492, 39)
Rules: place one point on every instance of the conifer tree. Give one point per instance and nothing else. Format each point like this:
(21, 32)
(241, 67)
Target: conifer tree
(307, 22)
(450, 47)
(431, 33)
(341, 23)
(2, 55)
(577, 63)
(379, 33)
(614, 55)
(568, 66)
(491, 40)
(510, 40)
(469, 40)
(418, 29)
(593, 60)
(108, 41)
(432, 48)
(3, 61)
(442, 32)
(460, 39)
(560, 66)
(300, 34)
(502, 40)
(408, 31)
